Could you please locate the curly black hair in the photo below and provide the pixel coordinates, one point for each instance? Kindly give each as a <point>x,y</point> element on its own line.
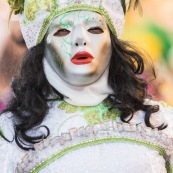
<point>32,90</point>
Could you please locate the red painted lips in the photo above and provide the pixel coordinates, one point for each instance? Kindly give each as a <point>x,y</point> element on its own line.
<point>81,58</point>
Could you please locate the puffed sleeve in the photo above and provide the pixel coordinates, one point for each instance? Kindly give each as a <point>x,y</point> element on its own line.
<point>7,157</point>
<point>8,150</point>
<point>164,116</point>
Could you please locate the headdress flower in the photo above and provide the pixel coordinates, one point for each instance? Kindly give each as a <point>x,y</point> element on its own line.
<point>17,6</point>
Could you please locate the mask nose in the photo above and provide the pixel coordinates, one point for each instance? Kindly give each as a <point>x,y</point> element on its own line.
<point>79,36</point>
<point>78,44</point>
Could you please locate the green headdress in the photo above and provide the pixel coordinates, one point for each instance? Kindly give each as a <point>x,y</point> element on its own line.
<point>36,15</point>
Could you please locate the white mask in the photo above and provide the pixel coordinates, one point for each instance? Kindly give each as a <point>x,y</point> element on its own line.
<point>78,47</point>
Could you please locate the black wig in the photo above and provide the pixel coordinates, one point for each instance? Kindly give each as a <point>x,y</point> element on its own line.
<point>32,90</point>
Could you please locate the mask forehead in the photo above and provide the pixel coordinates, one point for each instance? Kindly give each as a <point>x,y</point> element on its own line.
<point>71,19</point>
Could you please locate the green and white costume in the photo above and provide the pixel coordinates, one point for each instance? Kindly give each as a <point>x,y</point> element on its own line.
<point>88,138</point>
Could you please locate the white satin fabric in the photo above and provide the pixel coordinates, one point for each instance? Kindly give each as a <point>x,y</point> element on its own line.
<point>89,95</point>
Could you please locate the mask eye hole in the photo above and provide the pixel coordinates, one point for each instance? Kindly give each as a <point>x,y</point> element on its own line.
<point>62,33</point>
<point>95,30</point>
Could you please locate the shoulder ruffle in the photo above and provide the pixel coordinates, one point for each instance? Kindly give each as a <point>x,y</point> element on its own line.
<point>164,116</point>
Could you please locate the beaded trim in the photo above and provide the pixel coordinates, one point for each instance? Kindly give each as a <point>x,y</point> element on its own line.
<point>166,105</point>
<point>93,135</point>
<point>56,13</point>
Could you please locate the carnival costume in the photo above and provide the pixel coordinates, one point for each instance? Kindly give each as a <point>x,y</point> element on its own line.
<point>85,134</point>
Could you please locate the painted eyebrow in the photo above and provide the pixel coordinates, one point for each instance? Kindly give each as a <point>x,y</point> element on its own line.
<point>98,20</point>
<point>71,23</point>
<point>55,28</point>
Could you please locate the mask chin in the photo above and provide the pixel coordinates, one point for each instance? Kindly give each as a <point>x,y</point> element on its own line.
<point>79,78</point>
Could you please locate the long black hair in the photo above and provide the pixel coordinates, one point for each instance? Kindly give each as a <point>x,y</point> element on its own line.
<point>31,89</point>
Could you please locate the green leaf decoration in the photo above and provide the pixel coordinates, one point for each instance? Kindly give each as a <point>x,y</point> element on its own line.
<point>17,6</point>
<point>31,10</point>
<point>135,3</point>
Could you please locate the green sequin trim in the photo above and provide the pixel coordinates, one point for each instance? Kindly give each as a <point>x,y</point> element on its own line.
<point>92,114</point>
<point>17,6</point>
<point>57,155</point>
<point>55,12</point>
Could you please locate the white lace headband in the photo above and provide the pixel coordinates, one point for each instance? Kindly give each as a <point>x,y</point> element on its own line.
<point>36,15</point>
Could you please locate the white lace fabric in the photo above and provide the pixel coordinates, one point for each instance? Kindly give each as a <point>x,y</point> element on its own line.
<point>121,157</point>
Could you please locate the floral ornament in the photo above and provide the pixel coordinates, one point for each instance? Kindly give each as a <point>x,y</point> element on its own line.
<point>31,9</point>
<point>46,4</point>
<point>17,6</point>
<point>34,6</point>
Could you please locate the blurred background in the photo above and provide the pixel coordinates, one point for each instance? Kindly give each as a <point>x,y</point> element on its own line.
<point>12,49</point>
<point>151,31</point>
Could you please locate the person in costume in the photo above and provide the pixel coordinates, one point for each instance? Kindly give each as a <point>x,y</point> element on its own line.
<point>79,103</point>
